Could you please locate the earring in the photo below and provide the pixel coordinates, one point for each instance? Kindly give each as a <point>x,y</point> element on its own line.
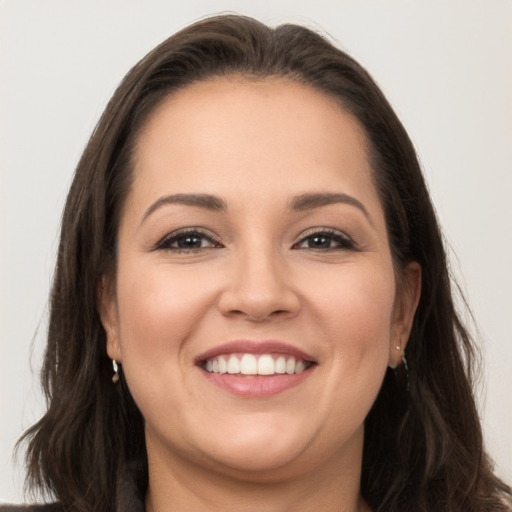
<point>115,377</point>
<point>402,370</point>
<point>404,361</point>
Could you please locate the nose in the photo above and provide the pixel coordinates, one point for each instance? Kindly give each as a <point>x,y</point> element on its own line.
<point>259,289</point>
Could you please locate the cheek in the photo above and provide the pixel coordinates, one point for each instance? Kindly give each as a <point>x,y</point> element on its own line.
<point>359,326</point>
<point>159,309</point>
<point>356,302</point>
<point>354,312</point>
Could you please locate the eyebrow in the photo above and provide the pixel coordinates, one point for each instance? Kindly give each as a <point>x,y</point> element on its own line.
<point>206,201</point>
<point>311,201</point>
<point>302,202</point>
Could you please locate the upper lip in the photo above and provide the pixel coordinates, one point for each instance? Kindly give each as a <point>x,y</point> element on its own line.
<point>253,347</point>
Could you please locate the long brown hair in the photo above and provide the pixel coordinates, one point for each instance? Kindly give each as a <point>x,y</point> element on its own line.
<point>423,444</point>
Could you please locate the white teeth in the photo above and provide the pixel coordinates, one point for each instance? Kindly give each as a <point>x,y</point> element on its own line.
<point>281,365</point>
<point>266,365</point>
<point>290,366</point>
<point>249,364</point>
<point>233,365</point>
<point>299,366</point>
<point>223,365</point>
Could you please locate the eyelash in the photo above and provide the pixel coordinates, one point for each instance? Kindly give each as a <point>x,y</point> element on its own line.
<point>343,241</point>
<point>172,238</point>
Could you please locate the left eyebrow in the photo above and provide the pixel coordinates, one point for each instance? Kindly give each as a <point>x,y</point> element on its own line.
<point>206,201</point>
<point>311,201</point>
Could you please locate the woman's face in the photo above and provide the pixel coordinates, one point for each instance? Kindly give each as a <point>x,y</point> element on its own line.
<point>254,308</point>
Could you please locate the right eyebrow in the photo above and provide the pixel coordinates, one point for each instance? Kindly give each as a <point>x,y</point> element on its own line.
<point>317,200</point>
<point>207,201</point>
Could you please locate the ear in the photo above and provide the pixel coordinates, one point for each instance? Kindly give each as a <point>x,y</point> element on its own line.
<point>406,303</point>
<point>109,318</point>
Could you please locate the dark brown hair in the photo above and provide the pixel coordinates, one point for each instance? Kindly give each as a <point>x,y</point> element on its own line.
<point>423,446</point>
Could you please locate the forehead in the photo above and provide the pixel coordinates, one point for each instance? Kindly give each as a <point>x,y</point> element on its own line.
<point>239,134</point>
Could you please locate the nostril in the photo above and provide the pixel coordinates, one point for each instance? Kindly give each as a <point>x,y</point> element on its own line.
<point>258,295</point>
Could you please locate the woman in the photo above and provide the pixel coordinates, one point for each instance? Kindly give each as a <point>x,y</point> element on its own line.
<point>251,308</point>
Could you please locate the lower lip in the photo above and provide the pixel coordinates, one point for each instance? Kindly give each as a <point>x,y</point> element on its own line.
<point>256,386</point>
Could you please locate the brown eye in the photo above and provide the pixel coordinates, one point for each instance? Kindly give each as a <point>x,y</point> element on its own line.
<point>326,240</point>
<point>187,241</point>
<point>319,242</point>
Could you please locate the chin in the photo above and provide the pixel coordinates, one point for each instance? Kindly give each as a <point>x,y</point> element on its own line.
<point>260,453</point>
<point>260,466</point>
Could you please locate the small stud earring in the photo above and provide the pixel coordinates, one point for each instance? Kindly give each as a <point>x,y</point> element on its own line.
<point>115,377</point>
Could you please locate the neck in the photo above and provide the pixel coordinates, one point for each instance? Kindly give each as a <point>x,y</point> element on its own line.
<point>185,486</point>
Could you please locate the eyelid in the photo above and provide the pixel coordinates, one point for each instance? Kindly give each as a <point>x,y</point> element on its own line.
<point>165,242</point>
<point>334,233</point>
<point>169,238</point>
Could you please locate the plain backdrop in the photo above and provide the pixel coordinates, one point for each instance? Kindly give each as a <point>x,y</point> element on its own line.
<point>445,66</point>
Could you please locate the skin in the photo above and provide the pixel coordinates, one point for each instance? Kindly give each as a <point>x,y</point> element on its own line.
<point>256,145</point>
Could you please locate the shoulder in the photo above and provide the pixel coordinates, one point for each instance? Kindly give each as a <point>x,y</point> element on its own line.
<point>51,507</point>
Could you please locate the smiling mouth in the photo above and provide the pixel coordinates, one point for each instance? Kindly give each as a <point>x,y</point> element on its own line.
<point>256,369</point>
<point>256,364</point>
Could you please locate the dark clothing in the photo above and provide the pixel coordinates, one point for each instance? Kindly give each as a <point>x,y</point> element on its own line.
<point>31,508</point>
<point>126,506</point>
<point>129,498</point>
<point>55,507</point>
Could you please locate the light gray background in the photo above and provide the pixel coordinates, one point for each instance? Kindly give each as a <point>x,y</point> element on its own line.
<point>445,66</point>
